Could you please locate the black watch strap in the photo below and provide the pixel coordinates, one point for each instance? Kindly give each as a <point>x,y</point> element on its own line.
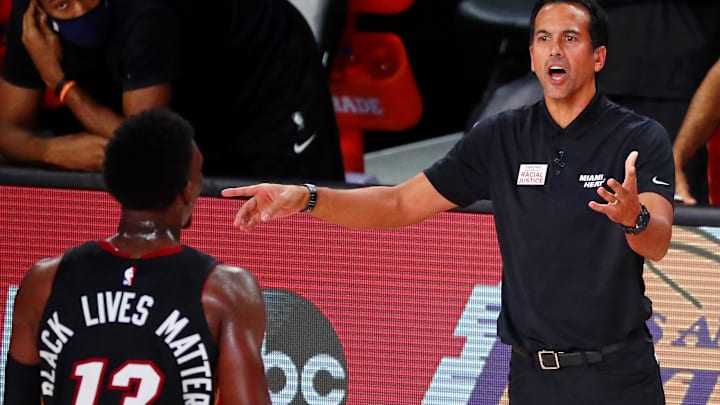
<point>641,224</point>
<point>313,197</point>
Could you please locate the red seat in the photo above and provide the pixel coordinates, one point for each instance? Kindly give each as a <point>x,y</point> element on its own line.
<point>5,6</point>
<point>372,83</point>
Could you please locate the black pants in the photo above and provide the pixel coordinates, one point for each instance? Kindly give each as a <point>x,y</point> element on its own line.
<point>629,376</point>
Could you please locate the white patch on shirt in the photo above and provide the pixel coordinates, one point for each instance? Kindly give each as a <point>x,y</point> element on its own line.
<point>532,174</point>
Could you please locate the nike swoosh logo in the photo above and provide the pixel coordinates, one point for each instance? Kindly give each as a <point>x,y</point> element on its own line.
<point>659,182</point>
<point>300,148</point>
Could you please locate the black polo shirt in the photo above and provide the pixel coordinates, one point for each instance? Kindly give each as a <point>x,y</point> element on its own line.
<point>570,280</point>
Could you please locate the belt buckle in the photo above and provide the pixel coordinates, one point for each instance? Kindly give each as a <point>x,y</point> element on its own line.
<point>553,355</point>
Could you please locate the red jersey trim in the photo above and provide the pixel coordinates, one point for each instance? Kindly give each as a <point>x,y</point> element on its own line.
<point>105,245</point>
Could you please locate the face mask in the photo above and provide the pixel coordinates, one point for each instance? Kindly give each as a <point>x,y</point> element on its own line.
<point>90,30</point>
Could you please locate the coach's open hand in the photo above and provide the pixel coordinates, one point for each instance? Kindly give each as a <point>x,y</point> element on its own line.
<point>266,202</point>
<point>623,205</point>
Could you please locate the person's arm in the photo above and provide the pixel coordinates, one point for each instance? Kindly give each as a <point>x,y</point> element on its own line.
<point>368,207</point>
<point>235,310</point>
<point>17,116</point>
<point>18,143</point>
<point>654,242</point>
<point>27,313</point>
<point>623,207</point>
<point>22,96</point>
<point>45,50</point>
<point>701,121</point>
<point>100,120</point>
<point>82,151</point>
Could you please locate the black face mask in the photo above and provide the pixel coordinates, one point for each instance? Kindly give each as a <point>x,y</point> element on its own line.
<point>90,30</point>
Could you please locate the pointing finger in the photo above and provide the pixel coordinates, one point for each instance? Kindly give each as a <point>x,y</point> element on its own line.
<point>247,191</point>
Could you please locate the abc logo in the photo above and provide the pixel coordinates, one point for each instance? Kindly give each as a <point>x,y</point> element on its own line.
<point>304,360</point>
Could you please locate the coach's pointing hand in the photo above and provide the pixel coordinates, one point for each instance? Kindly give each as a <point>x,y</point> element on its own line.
<point>267,202</point>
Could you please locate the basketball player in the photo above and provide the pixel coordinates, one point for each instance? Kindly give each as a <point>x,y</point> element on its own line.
<point>138,317</point>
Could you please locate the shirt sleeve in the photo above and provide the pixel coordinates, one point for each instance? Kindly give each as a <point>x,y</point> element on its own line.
<point>462,175</point>
<point>655,165</point>
<point>18,68</point>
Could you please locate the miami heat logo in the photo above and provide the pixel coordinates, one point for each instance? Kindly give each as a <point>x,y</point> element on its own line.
<point>129,276</point>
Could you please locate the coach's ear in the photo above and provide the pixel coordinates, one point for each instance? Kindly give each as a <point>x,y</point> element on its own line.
<point>600,54</point>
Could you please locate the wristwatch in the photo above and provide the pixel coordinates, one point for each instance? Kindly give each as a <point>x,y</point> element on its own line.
<point>313,197</point>
<point>642,222</point>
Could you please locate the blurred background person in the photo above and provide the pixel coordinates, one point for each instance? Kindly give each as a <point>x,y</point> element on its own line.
<point>247,74</point>
<point>701,123</point>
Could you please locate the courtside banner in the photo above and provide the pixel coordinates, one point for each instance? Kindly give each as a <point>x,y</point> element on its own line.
<point>403,316</point>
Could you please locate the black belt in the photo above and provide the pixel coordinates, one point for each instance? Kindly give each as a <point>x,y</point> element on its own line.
<point>554,360</point>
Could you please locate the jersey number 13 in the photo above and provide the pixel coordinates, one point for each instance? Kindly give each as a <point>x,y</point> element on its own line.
<point>141,379</point>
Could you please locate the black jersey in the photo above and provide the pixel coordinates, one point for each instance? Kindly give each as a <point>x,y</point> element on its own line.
<point>116,328</point>
<point>570,279</point>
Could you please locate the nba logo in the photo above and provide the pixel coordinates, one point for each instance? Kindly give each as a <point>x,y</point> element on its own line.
<point>128,276</point>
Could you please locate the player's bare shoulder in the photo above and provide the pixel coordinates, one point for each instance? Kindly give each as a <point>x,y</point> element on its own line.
<point>29,304</point>
<point>45,267</point>
<point>233,288</point>
<point>37,281</point>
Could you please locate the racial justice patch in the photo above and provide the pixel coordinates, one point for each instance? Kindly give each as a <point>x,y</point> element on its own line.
<point>532,174</point>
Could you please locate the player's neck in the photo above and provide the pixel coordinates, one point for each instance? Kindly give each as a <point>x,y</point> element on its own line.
<point>146,232</point>
<point>140,234</point>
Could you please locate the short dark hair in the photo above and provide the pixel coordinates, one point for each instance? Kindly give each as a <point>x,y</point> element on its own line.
<point>148,159</point>
<point>598,26</point>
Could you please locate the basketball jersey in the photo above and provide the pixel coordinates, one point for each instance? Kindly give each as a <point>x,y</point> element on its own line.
<point>121,330</point>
